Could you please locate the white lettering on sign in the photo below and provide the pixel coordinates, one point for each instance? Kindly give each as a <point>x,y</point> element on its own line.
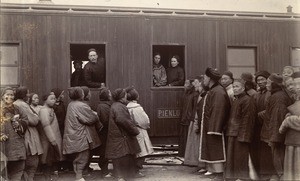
<point>168,113</point>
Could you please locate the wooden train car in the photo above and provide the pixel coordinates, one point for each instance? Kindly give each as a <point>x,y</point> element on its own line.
<point>39,43</point>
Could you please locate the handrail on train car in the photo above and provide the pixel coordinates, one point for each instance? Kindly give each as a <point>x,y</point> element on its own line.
<point>52,8</point>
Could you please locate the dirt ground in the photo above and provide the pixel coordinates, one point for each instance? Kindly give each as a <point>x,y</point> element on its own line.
<point>151,172</point>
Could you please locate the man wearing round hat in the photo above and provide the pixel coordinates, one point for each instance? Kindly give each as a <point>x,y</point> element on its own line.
<point>275,113</point>
<point>216,112</point>
<point>260,152</point>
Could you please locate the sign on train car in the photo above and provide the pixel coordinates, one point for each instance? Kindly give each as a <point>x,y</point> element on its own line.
<point>168,113</point>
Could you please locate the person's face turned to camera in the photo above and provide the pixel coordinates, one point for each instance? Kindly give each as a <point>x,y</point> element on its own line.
<point>93,57</point>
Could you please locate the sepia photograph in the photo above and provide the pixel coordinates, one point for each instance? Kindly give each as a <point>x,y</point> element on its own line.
<point>150,90</point>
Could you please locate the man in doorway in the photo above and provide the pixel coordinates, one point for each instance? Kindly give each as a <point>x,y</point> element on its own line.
<point>94,70</point>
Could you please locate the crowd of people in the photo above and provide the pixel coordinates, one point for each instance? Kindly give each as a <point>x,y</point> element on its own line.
<point>52,138</point>
<point>243,128</point>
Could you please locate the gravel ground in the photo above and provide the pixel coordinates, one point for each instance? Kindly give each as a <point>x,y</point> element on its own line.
<point>151,172</point>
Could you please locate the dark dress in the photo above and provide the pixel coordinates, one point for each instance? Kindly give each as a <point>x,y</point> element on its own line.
<point>60,112</point>
<point>94,73</point>
<point>122,145</point>
<point>239,132</point>
<point>214,119</point>
<point>103,111</point>
<point>188,114</point>
<point>276,111</point>
<point>175,76</point>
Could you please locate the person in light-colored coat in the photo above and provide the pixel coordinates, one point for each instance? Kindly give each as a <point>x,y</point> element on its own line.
<point>32,139</point>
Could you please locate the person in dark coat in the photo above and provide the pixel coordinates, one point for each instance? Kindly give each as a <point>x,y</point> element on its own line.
<point>216,112</point>
<point>175,74</point>
<point>78,139</point>
<point>187,108</point>
<point>94,70</point>
<point>32,138</point>
<point>250,86</point>
<point>226,81</point>
<point>239,132</point>
<point>103,111</point>
<point>13,127</point>
<point>77,77</point>
<point>273,117</point>
<point>122,144</point>
<point>260,152</point>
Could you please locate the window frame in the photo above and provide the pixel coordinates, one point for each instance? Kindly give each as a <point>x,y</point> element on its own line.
<point>185,65</point>
<point>69,43</point>
<point>290,54</point>
<point>247,46</point>
<point>19,63</point>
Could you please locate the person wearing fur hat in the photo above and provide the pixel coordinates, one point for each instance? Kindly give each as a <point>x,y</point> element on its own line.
<point>275,113</point>
<point>122,144</point>
<point>216,111</point>
<point>260,152</point>
<point>226,82</point>
<point>250,86</point>
<point>291,128</point>
<point>77,77</point>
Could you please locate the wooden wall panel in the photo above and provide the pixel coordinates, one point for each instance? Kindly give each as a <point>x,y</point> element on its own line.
<point>45,43</point>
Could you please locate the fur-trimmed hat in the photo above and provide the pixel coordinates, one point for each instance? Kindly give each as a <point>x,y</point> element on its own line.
<point>276,78</point>
<point>262,73</point>
<point>213,74</point>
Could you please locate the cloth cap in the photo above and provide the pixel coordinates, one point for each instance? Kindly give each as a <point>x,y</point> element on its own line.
<point>213,74</point>
<point>229,74</point>
<point>118,94</point>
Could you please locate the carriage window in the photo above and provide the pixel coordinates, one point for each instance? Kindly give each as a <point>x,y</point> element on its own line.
<point>168,65</point>
<point>87,65</point>
<point>295,57</point>
<point>241,59</point>
<point>9,64</point>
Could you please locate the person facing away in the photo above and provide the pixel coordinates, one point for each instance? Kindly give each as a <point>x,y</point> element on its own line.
<point>13,127</point>
<point>159,72</point>
<point>77,140</point>
<point>122,145</point>
<point>32,137</point>
<point>239,132</point>
<point>77,77</point>
<point>274,115</point>
<point>175,74</point>
<point>103,112</point>
<point>250,86</point>
<point>140,117</point>
<point>94,70</point>
<point>59,108</point>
